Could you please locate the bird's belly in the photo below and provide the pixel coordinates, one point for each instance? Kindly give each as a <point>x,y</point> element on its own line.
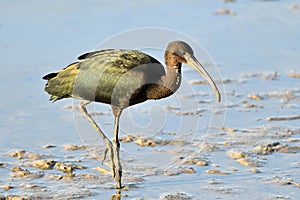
<point>120,95</point>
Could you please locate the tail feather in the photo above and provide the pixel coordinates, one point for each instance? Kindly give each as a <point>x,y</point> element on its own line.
<point>50,76</point>
<point>60,84</point>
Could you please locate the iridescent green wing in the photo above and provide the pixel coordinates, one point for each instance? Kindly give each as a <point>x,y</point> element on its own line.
<point>116,76</point>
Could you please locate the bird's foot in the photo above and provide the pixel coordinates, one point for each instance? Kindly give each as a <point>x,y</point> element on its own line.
<point>112,163</point>
<point>105,154</point>
<point>109,149</point>
<point>118,167</point>
<point>115,165</point>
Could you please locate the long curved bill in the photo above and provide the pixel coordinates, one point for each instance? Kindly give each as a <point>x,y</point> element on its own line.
<point>193,62</point>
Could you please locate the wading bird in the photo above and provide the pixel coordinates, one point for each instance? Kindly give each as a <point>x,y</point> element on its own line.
<point>122,78</point>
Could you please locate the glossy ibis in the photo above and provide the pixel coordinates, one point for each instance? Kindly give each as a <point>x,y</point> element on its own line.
<point>122,78</point>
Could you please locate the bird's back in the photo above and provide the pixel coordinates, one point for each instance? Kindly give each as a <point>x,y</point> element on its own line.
<point>116,77</point>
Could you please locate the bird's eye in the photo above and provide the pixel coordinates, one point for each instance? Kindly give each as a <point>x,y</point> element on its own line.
<point>178,53</point>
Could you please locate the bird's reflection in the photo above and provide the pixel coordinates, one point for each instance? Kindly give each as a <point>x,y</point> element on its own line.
<point>116,196</point>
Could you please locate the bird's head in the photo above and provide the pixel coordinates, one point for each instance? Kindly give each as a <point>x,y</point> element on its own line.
<point>178,52</point>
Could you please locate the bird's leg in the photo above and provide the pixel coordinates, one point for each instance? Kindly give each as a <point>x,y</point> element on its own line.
<point>116,147</point>
<point>108,143</point>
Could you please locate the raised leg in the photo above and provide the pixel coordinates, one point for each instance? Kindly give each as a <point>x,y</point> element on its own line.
<point>116,147</point>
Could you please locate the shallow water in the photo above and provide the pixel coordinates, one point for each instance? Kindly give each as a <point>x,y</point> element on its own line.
<point>254,50</point>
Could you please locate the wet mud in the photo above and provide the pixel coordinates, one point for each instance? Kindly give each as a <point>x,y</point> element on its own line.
<point>247,147</point>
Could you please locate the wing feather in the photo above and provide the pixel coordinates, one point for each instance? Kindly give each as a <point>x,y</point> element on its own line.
<point>108,76</point>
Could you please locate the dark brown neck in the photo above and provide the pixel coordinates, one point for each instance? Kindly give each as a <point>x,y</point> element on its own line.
<point>167,85</point>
